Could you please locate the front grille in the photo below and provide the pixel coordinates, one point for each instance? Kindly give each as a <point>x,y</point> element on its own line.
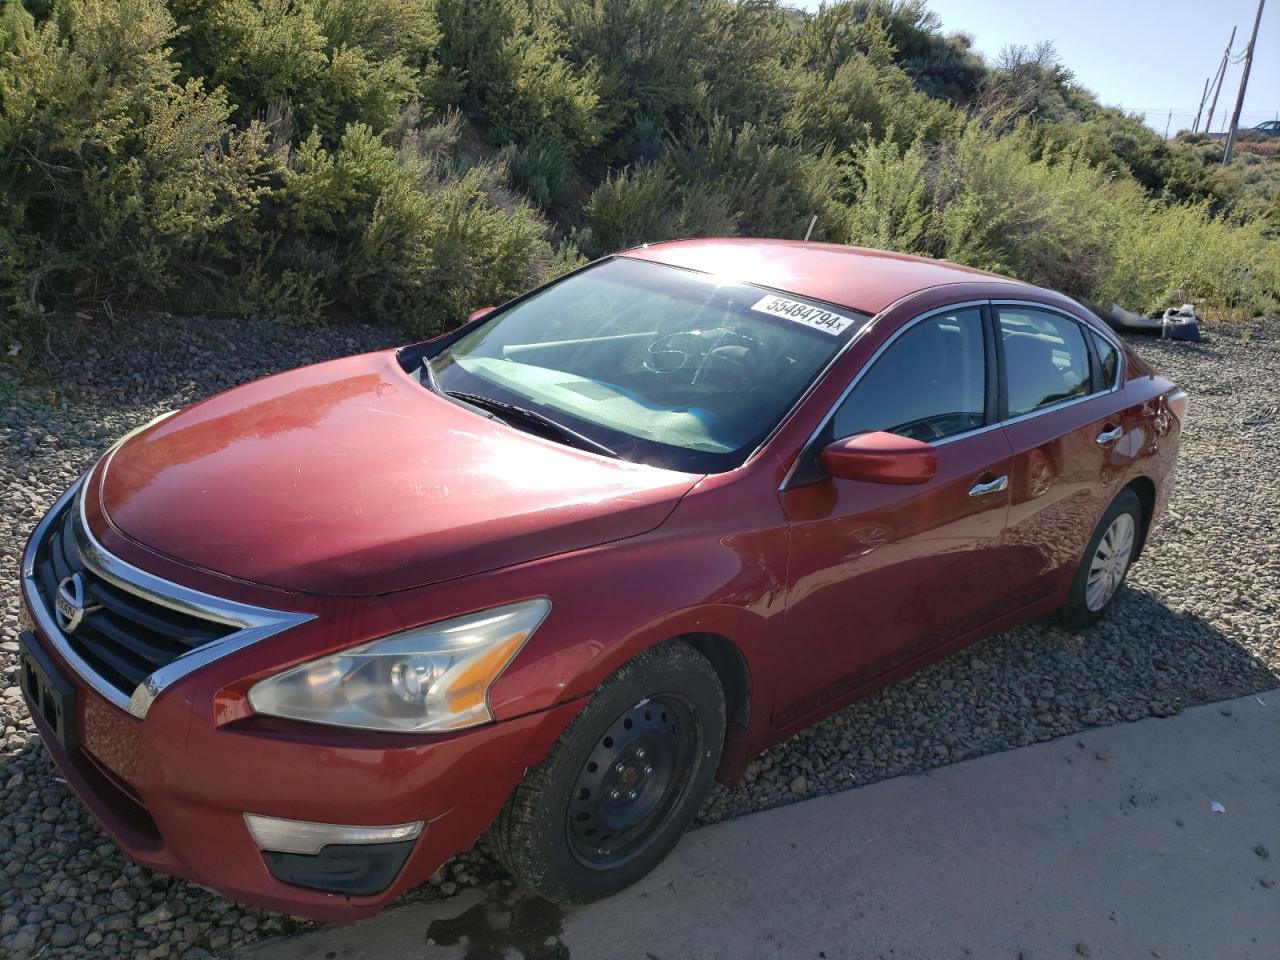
<point>124,636</point>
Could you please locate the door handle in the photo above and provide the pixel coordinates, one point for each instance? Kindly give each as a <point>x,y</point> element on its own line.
<point>1110,436</point>
<point>991,486</point>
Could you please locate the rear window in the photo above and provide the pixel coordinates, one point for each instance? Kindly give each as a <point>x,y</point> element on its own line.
<point>1046,359</point>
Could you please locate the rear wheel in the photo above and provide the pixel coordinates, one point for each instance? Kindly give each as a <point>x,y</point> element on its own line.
<point>618,789</point>
<point>1106,561</point>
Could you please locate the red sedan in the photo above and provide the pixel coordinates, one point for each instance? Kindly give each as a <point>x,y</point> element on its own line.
<point>549,574</point>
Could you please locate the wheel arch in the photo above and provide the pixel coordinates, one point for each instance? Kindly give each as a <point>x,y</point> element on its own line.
<point>1145,488</point>
<point>729,654</point>
<point>733,670</point>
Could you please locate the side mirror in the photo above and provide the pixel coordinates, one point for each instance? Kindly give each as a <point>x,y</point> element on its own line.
<point>880,458</point>
<point>477,314</point>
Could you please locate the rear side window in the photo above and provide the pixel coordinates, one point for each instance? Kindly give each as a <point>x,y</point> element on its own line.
<point>1108,360</point>
<point>929,384</point>
<point>1046,359</point>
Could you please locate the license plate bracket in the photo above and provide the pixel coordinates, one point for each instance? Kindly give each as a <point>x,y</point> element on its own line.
<point>48,691</point>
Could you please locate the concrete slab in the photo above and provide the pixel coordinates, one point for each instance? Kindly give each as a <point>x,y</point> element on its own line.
<point>1104,845</point>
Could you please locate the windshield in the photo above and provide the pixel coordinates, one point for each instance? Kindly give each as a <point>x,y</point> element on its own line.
<point>657,364</point>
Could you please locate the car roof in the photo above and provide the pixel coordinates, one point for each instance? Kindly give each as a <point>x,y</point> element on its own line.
<point>855,277</point>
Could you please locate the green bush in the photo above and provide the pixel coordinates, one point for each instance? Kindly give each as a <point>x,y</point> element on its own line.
<point>904,32</point>
<point>647,204</point>
<point>998,203</point>
<point>860,102</point>
<point>1181,252</point>
<point>1040,220</point>
<point>121,182</point>
<point>509,73</point>
<point>671,65</point>
<point>128,184</point>
<point>889,211</point>
<point>404,234</point>
<point>770,188</point>
<point>409,160</point>
<point>330,62</point>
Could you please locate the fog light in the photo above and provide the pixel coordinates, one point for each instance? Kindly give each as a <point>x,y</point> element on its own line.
<point>355,861</point>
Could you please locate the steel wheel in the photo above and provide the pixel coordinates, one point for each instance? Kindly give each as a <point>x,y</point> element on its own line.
<point>632,781</point>
<point>623,781</point>
<point>1110,561</point>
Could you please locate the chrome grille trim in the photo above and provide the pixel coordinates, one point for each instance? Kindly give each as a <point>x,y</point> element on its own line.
<point>252,623</point>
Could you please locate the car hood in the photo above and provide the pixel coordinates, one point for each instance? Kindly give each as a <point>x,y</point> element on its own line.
<point>351,478</point>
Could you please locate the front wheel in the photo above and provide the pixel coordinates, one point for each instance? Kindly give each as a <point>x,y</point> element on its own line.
<point>618,789</point>
<point>1106,561</point>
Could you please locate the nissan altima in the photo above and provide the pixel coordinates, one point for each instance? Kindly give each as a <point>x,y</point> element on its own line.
<point>543,578</point>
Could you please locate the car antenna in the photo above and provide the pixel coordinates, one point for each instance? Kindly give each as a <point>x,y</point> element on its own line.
<point>809,233</point>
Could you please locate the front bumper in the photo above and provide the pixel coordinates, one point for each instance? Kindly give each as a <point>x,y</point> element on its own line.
<point>172,789</point>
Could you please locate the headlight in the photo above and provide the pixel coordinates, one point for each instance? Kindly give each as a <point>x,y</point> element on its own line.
<point>435,677</point>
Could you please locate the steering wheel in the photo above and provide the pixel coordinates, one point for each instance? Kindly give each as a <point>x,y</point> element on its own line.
<point>928,424</point>
<point>673,359</point>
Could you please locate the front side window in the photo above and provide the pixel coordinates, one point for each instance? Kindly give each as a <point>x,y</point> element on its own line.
<point>930,383</point>
<point>656,364</point>
<point>1046,359</point>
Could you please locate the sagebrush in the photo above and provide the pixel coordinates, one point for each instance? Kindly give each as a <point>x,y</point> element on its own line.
<point>409,160</point>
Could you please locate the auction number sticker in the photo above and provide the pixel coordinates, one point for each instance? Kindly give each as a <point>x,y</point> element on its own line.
<point>811,316</point>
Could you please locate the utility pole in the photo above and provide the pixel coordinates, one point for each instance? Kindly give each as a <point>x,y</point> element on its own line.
<point>1195,127</point>
<point>1222,72</point>
<point>1244,82</point>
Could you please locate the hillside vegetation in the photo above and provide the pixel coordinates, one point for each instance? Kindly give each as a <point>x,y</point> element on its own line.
<point>409,160</point>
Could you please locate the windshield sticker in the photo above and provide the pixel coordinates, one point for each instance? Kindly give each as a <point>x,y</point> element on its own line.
<point>811,316</point>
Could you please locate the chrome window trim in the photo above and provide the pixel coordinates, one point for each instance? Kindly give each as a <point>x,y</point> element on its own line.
<point>995,304</point>
<point>1060,405</point>
<point>255,623</point>
<point>986,428</point>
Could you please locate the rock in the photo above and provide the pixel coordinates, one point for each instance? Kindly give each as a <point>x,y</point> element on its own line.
<point>63,935</point>
<point>24,939</point>
<point>799,785</point>
<point>161,914</point>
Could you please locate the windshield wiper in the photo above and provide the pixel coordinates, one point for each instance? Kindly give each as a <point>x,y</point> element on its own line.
<point>512,411</point>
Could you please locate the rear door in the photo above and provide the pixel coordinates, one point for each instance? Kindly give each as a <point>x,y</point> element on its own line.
<point>880,574</point>
<point>1070,434</point>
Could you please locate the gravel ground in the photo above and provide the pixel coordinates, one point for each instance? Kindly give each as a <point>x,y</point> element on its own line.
<point>1199,622</point>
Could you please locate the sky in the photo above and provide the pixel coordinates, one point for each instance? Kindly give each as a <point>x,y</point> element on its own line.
<point>1148,56</point>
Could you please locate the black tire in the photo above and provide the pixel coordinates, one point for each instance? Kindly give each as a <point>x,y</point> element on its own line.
<point>566,832</point>
<point>1079,611</point>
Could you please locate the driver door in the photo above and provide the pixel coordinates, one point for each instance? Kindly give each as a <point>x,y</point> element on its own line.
<point>882,574</point>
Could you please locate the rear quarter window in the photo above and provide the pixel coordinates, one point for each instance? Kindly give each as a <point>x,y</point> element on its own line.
<point>1108,360</point>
